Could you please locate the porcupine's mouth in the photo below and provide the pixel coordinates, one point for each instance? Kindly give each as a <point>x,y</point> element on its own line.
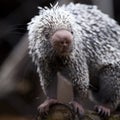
<point>64,51</point>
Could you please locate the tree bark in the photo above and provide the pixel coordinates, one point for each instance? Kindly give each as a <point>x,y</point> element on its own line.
<point>65,112</point>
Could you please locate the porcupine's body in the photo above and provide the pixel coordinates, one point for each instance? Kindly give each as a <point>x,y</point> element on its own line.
<point>95,56</point>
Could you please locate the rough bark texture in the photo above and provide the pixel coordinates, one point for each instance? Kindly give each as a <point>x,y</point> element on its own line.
<point>64,112</point>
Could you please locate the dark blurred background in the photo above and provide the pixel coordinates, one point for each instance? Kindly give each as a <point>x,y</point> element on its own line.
<point>20,93</point>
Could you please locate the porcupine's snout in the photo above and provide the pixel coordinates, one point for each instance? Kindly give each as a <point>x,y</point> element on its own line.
<point>62,42</point>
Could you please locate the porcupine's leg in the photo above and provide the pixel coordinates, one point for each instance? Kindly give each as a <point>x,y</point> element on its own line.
<point>75,103</point>
<point>80,82</point>
<point>51,93</point>
<point>109,89</point>
<point>77,106</point>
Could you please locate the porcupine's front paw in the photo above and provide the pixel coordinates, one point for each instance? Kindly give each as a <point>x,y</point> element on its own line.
<point>43,109</point>
<point>77,108</point>
<point>102,110</point>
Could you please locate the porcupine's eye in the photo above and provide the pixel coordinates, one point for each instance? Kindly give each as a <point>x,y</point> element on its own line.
<point>72,32</point>
<point>47,35</point>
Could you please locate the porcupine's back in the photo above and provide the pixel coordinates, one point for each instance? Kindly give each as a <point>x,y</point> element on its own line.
<point>100,34</point>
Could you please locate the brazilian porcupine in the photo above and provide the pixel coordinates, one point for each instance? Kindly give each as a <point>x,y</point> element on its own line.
<point>83,44</point>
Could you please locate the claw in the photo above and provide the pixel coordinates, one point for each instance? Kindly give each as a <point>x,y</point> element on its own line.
<point>99,110</point>
<point>43,109</point>
<point>77,108</point>
<point>102,110</point>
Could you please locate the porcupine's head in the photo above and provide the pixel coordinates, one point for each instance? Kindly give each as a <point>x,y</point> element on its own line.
<point>53,27</point>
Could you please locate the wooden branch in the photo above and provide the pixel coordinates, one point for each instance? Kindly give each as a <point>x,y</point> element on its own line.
<point>65,112</point>
<point>58,112</point>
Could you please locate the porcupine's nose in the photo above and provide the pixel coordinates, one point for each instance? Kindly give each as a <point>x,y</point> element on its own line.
<point>63,37</point>
<point>62,41</point>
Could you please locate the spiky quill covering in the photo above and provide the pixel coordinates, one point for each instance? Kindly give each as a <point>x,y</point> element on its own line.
<point>96,45</point>
<point>41,28</point>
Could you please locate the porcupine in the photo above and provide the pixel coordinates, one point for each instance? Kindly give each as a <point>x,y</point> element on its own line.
<point>83,44</point>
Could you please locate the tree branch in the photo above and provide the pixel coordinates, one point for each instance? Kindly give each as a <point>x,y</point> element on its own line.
<point>65,112</point>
